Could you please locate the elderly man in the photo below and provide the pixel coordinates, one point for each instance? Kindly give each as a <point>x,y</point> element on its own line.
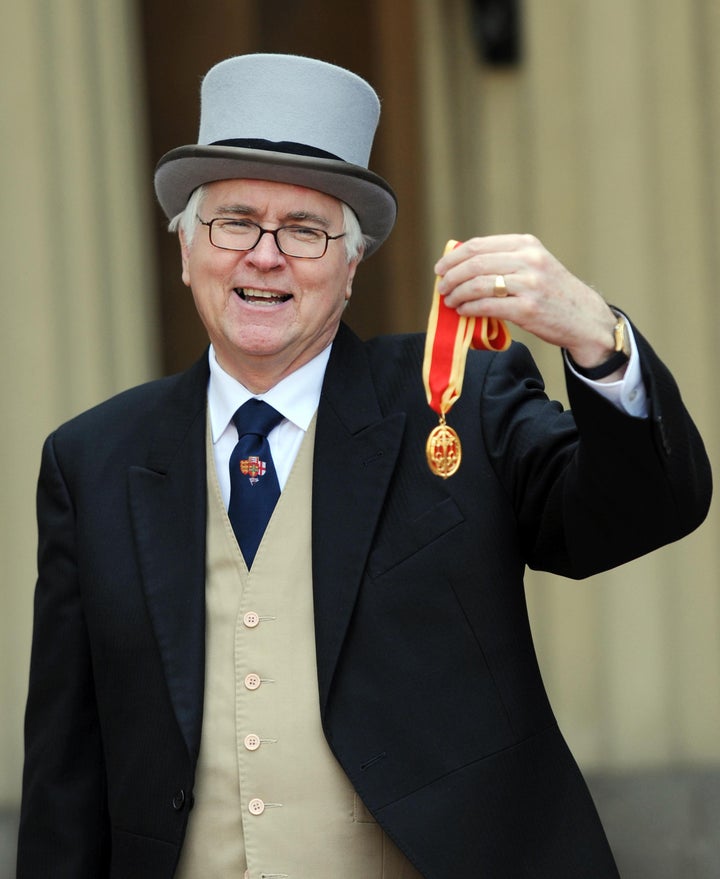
<point>269,640</point>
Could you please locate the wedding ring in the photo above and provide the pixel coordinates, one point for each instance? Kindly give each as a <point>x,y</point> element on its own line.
<point>500,289</point>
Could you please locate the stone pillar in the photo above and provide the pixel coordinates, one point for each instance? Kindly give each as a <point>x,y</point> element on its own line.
<point>76,274</point>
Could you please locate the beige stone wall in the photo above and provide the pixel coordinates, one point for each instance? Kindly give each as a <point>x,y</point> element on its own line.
<point>76,278</point>
<point>605,143</point>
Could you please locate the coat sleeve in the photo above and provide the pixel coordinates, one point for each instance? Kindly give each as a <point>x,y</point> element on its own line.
<point>64,823</point>
<point>593,487</point>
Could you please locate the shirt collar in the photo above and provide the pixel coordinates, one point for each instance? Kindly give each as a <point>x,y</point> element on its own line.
<point>296,397</point>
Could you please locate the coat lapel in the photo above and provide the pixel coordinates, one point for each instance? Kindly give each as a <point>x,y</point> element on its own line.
<point>168,509</point>
<point>356,449</point>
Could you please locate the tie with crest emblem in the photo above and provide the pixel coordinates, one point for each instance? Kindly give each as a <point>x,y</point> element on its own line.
<point>254,487</point>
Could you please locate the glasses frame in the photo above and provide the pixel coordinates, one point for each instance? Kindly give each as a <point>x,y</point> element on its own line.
<point>262,231</point>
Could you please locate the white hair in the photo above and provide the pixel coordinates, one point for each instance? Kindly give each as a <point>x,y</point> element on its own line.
<point>187,220</point>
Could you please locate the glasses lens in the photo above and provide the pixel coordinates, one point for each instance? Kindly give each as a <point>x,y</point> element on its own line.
<point>301,241</point>
<point>234,234</point>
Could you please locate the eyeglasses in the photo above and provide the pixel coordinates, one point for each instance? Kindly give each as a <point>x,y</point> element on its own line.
<point>300,242</point>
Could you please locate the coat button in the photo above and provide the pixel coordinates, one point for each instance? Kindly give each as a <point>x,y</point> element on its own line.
<point>252,681</point>
<point>178,800</point>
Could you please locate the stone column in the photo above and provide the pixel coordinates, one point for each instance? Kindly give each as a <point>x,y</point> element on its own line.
<point>76,274</point>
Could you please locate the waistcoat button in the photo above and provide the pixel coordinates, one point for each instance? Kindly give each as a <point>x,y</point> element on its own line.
<point>178,800</point>
<point>252,742</point>
<point>251,619</point>
<point>256,806</point>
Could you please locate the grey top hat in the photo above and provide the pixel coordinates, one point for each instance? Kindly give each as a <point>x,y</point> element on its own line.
<point>289,119</point>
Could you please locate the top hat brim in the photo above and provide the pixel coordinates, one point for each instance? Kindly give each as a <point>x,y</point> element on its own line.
<point>182,170</point>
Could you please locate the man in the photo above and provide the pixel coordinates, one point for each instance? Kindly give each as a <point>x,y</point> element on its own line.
<point>352,689</point>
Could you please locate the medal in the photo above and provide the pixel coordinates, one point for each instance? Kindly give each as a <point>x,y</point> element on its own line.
<point>443,450</point>
<point>449,336</point>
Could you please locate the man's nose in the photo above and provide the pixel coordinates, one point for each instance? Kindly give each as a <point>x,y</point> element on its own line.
<point>266,252</point>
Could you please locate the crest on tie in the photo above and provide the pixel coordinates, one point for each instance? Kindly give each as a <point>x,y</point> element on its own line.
<point>253,467</point>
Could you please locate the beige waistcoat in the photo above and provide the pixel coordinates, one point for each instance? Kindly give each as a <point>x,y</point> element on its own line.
<point>271,801</point>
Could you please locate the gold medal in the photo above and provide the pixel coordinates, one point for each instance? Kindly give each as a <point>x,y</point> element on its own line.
<point>448,339</point>
<point>443,450</point>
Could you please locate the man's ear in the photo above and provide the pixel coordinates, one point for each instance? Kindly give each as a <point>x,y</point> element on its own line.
<point>351,277</point>
<point>185,257</point>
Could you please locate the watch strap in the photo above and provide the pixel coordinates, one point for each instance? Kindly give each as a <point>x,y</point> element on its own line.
<point>617,359</point>
<point>603,370</point>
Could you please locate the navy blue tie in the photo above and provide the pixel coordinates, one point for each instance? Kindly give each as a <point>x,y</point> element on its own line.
<point>254,486</point>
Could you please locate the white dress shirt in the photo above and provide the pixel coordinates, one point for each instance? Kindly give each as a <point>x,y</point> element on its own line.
<point>296,398</point>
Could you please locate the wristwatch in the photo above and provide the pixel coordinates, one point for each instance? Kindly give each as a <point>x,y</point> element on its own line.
<point>619,357</point>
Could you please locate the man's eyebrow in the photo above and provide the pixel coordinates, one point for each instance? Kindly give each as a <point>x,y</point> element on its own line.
<point>308,216</point>
<point>245,210</point>
<point>299,216</point>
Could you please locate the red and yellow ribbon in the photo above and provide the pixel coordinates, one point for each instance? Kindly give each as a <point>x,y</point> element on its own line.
<point>449,336</point>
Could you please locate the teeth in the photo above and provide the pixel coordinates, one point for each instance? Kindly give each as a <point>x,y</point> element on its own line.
<point>250,294</point>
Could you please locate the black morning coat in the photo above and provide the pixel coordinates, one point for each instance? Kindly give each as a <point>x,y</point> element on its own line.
<point>430,692</point>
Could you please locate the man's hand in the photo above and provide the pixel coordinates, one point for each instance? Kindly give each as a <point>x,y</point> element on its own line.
<point>543,297</point>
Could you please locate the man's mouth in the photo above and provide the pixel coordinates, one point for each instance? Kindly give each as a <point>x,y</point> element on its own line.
<point>261,297</point>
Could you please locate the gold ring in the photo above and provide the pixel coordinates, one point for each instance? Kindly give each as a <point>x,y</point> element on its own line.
<point>500,289</point>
